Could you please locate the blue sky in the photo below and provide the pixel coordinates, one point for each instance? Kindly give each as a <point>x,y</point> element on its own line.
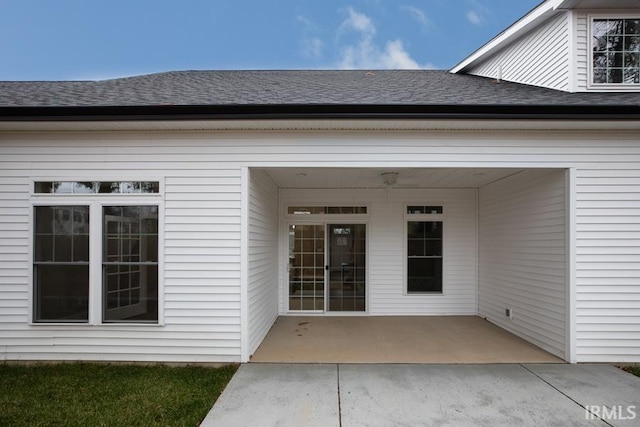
<point>98,39</point>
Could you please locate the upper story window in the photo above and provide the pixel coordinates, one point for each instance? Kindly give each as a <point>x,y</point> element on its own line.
<point>616,51</point>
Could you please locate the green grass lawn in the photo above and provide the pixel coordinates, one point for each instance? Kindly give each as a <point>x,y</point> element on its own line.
<point>635,370</point>
<point>108,395</point>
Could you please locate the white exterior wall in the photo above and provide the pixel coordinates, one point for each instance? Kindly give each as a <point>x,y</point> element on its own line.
<point>263,257</point>
<point>199,284</point>
<point>202,173</point>
<point>386,293</point>
<point>522,257</point>
<point>539,58</point>
<point>608,263</point>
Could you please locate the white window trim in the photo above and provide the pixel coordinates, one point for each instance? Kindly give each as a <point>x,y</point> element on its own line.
<point>96,202</point>
<point>405,251</point>
<point>606,87</point>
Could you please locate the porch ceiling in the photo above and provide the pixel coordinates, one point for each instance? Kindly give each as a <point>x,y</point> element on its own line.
<point>333,178</point>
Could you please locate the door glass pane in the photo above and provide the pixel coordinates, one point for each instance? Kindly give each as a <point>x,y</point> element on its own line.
<point>306,267</point>
<point>347,268</point>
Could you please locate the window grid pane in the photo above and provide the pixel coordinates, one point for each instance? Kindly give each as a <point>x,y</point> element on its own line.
<point>130,264</point>
<point>616,51</point>
<point>424,256</point>
<point>61,264</point>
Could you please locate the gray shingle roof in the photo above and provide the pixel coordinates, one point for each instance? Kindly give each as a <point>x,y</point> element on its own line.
<point>333,87</point>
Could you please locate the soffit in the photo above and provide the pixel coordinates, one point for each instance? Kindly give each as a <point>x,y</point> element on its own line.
<point>371,178</point>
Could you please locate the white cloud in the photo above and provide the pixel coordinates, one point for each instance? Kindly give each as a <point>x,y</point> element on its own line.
<point>311,46</point>
<point>305,21</point>
<point>477,12</point>
<point>419,16</point>
<point>474,17</point>
<point>395,56</point>
<point>357,22</point>
<point>364,53</point>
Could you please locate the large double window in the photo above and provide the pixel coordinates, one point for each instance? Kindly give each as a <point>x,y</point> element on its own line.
<point>615,51</point>
<point>95,262</point>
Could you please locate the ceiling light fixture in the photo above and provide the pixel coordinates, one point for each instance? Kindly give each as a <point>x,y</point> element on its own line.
<point>389,178</point>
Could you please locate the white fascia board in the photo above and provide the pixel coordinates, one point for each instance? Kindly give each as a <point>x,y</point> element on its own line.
<point>515,31</point>
<point>8,128</point>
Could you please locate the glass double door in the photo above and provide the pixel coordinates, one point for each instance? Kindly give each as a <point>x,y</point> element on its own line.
<point>327,267</point>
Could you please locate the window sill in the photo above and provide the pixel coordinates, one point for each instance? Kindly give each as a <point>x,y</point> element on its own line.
<point>94,325</point>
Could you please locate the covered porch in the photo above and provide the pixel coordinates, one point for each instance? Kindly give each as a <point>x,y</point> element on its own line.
<point>394,339</point>
<point>498,259</point>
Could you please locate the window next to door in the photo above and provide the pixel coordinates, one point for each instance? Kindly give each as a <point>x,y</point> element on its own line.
<point>424,249</point>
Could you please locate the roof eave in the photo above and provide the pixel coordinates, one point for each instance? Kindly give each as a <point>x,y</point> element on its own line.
<point>322,112</point>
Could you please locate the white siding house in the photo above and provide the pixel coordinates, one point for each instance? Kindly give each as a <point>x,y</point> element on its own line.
<point>187,229</point>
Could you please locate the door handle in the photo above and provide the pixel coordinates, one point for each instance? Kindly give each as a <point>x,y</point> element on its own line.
<point>326,267</point>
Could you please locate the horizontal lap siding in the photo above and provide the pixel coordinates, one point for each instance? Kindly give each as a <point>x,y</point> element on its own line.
<point>386,285</point>
<point>522,257</point>
<point>387,277</point>
<point>14,255</point>
<point>608,257</point>
<point>206,228</point>
<point>201,271</point>
<point>263,257</point>
<point>539,58</point>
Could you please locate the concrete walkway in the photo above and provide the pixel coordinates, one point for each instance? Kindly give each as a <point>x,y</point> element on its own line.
<point>428,395</point>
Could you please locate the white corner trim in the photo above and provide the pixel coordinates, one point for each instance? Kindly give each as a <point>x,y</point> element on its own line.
<point>244,267</point>
<point>573,51</point>
<point>571,241</point>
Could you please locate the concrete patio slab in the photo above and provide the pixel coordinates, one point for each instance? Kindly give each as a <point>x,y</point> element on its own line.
<point>597,387</point>
<point>278,395</point>
<point>350,395</point>
<point>394,339</point>
<point>456,396</point>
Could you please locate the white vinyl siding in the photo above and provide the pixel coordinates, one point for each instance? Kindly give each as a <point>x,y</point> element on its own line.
<point>263,257</point>
<point>15,260</point>
<point>202,177</point>
<point>539,58</point>
<point>522,257</point>
<point>608,259</point>
<point>386,291</point>
<point>200,258</point>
